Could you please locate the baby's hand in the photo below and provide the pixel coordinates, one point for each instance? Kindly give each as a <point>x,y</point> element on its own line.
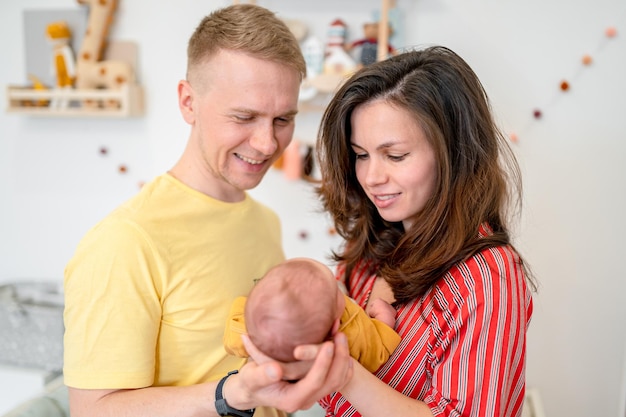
<point>381,310</point>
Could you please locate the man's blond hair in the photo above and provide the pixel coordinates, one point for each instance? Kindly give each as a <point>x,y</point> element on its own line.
<point>245,28</point>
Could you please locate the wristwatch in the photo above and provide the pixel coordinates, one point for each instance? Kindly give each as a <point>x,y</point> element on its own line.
<point>222,407</point>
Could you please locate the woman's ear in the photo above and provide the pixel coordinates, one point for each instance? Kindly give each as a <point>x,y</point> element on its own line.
<point>186,101</point>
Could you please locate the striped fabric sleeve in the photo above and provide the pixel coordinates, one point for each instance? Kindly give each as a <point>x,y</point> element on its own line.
<point>478,359</point>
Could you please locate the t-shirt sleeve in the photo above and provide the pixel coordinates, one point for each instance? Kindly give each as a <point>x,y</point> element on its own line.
<point>112,309</point>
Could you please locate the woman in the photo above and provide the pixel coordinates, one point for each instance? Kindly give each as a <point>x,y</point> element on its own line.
<point>419,181</point>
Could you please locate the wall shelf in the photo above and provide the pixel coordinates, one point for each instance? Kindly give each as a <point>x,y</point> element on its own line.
<point>124,102</point>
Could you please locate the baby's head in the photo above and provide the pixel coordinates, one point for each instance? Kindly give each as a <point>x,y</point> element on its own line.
<point>297,302</point>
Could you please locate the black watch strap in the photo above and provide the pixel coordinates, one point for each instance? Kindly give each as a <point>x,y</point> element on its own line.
<point>222,407</point>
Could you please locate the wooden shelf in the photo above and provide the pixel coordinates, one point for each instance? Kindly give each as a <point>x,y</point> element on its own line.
<point>125,102</point>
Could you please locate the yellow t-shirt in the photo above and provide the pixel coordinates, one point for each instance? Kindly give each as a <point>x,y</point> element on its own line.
<point>149,288</point>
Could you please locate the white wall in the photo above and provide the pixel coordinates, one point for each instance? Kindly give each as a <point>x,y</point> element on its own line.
<point>54,184</point>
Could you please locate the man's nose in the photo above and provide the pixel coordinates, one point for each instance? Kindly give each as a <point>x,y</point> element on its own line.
<point>264,140</point>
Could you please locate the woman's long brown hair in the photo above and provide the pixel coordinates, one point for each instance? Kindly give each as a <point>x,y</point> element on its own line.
<point>478,179</point>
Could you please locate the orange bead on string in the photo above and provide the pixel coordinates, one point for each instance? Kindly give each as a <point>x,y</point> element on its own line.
<point>610,32</point>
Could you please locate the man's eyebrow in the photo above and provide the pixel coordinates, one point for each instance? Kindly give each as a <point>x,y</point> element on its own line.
<point>251,112</point>
<point>291,113</point>
<point>245,110</point>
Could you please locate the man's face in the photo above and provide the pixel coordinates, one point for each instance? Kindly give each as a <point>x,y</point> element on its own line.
<point>242,112</point>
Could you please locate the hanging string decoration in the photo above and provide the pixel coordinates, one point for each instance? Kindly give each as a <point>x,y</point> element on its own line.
<point>565,84</point>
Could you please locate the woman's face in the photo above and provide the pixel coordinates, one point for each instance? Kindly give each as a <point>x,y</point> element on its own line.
<point>395,163</point>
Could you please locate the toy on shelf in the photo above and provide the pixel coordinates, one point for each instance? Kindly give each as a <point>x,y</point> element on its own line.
<point>38,85</point>
<point>337,60</point>
<point>336,35</point>
<point>369,44</point>
<point>91,70</point>
<point>337,64</point>
<point>63,62</point>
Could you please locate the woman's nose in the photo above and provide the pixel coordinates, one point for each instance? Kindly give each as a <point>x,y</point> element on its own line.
<point>375,173</point>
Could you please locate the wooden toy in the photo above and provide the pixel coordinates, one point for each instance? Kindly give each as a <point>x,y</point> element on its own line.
<point>91,70</point>
<point>63,62</point>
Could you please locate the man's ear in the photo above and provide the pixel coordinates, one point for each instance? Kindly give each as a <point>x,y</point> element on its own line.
<point>335,327</point>
<point>186,101</point>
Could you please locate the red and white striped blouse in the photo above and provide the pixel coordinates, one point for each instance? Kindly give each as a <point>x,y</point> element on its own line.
<point>463,343</point>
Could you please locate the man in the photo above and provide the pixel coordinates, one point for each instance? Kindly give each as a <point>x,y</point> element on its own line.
<point>149,288</point>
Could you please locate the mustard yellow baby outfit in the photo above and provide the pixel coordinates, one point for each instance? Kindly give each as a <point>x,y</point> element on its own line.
<point>371,341</point>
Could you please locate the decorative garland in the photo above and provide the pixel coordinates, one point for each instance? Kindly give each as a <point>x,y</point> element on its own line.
<point>565,85</point>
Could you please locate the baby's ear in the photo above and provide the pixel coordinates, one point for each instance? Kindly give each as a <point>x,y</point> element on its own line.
<point>335,327</point>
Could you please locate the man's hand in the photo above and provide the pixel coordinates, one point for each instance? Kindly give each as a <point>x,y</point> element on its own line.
<point>263,381</point>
